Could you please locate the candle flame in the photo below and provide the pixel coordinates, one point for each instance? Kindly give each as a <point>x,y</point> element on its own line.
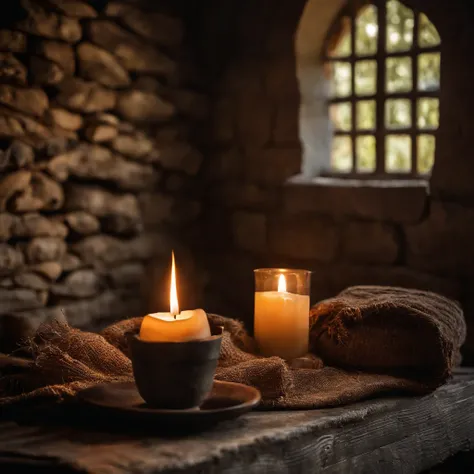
<point>174,306</point>
<point>281,284</point>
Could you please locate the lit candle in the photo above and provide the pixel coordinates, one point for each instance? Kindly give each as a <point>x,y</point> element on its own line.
<point>282,322</point>
<point>175,326</point>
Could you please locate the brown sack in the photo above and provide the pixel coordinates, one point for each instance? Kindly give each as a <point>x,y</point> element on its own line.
<point>389,330</point>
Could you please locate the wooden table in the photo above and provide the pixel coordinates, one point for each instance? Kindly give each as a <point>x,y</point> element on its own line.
<point>391,435</point>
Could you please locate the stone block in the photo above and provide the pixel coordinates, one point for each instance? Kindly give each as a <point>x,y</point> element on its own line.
<point>126,275</point>
<point>58,52</point>
<point>100,132</point>
<point>442,243</point>
<point>139,106</point>
<point>163,29</point>
<point>249,231</point>
<point>272,166</point>
<point>132,53</point>
<point>286,126</point>
<point>71,262</point>
<point>11,185</point>
<point>6,225</point>
<point>49,25</point>
<point>304,237</point>
<point>85,97</point>
<point>45,249</point>
<point>370,242</point>
<point>18,155</point>
<point>237,194</point>
<point>36,225</point>
<point>74,8</point>
<point>29,101</point>
<point>99,65</point>
<point>224,165</point>
<point>64,119</point>
<point>82,222</point>
<point>49,270</point>
<point>44,72</point>
<point>79,284</point>
<point>11,259</point>
<point>137,146</point>
<point>12,70</point>
<point>12,41</point>
<point>43,193</point>
<point>395,201</point>
<point>31,280</point>
<point>14,124</point>
<point>19,299</point>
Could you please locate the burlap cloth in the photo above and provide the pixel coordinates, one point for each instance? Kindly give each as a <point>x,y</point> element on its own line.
<point>364,342</point>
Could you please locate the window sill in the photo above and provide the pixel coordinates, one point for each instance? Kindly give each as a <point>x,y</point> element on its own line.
<point>398,200</point>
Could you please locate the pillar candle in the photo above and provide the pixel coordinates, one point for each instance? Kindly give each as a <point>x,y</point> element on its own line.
<point>282,322</point>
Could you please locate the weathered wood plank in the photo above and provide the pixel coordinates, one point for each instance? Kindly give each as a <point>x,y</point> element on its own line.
<point>393,435</point>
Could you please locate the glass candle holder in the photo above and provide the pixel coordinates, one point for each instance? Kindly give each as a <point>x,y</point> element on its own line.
<point>281,318</point>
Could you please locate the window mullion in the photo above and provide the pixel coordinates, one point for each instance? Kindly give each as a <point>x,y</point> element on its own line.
<point>380,102</point>
<point>414,102</point>
<point>353,94</point>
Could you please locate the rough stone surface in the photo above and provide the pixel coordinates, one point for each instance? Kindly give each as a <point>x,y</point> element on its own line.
<point>36,225</point>
<point>45,249</point>
<point>11,185</point>
<point>70,262</point>
<point>370,242</point>
<point>28,101</point>
<point>99,132</point>
<point>49,270</point>
<point>442,243</point>
<point>12,70</point>
<point>250,231</point>
<point>44,72</point>
<point>126,275</point>
<point>87,97</point>
<point>162,29</point>
<point>82,223</point>
<point>10,259</point>
<point>99,65</point>
<point>134,54</point>
<point>49,25</point>
<point>21,299</point>
<point>388,201</point>
<point>57,52</point>
<point>79,284</point>
<point>139,106</point>
<point>300,237</point>
<point>12,41</point>
<point>13,124</point>
<point>64,119</point>
<point>6,225</point>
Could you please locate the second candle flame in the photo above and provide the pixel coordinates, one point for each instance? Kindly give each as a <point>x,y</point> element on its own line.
<point>174,306</point>
<point>281,284</point>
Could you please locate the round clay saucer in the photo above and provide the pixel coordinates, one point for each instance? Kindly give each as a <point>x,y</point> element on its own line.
<point>121,402</point>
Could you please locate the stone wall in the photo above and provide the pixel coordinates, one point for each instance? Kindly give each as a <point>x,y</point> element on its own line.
<point>97,158</point>
<point>412,234</point>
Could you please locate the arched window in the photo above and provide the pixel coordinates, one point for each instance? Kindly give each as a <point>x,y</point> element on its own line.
<point>384,65</point>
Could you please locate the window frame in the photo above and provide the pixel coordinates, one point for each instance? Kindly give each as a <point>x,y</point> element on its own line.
<point>350,11</point>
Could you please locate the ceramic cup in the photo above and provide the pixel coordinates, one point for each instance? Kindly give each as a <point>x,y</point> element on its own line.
<point>175,375</point>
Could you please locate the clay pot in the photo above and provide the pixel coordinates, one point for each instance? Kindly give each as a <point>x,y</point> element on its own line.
<point>175,375</point>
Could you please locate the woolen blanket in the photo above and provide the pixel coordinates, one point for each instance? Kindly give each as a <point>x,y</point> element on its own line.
<point>364,342</point>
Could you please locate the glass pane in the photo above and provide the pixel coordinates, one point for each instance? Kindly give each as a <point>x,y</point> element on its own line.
<point>400,23</point>
<point>365,115</point>
<point>428,71</point>
<point>341,157</point>
<point>426,151</point>
<point>399,78</point>
<point>341,79</point>
<point>365,77</point>
<point>398,113</point>
<point>397,153</point>
<point>365,154</point>
<point>428,113</point>
<point>341,46</point>
<point>428,34</point>
<point>341,116</point>
<point>366,31</point>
